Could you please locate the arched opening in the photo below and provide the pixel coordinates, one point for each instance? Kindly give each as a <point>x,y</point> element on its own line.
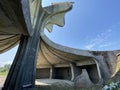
<point>43,73</point>
<point>63,73</point>
<point>92,73</point>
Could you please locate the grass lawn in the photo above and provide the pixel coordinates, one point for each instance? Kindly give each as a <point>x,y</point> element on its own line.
<point>3,73</point>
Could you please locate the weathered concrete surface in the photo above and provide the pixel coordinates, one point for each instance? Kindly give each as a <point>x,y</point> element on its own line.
<point>100,65</point>
<point>12,24</point>
<point>116,78</point>
<point>83,80</point>
<point>16,22</point>
<point>45,83</point>
<point>55,84</point>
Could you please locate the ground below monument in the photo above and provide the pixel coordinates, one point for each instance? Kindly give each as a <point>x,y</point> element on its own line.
<point>2,80</point>
<point>55,84</point>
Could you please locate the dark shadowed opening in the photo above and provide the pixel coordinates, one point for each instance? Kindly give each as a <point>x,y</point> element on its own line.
<point>92,72</point>
<point>43,73</point>
<point>63,73</point>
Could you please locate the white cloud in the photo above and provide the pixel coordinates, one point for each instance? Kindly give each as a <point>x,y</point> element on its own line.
<point>2,63</point>
<point>106,44</point>
<point>100,41</point>
<point>89,46</point>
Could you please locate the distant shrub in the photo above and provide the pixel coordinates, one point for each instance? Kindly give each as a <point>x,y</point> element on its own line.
<point>5,68</point>
<point>112,86</point>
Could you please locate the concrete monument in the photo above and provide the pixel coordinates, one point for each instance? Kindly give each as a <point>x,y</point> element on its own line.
<point>23,22</point>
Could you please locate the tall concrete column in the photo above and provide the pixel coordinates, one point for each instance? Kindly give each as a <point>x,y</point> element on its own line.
<point>52,72</point>
<point>75,70</point>
<point>23,70</point>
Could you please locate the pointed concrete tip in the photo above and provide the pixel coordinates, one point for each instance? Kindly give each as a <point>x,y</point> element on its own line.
<point>72,2</point>
<point>54,3</point>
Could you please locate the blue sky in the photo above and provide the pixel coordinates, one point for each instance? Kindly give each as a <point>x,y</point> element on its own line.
<point>7,57</point>
<point>90,25</point>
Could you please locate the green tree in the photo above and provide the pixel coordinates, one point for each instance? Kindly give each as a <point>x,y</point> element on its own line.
<point>5,68</point>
